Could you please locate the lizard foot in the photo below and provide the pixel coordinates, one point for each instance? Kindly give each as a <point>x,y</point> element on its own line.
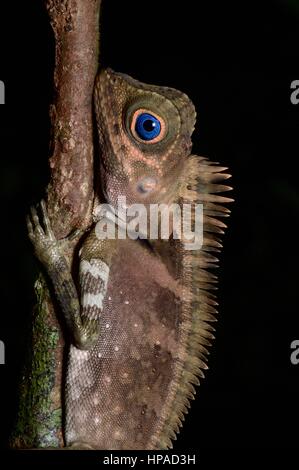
<point>47,247</point>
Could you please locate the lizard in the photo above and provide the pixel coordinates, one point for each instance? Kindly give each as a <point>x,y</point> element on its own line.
<point>139,318</point>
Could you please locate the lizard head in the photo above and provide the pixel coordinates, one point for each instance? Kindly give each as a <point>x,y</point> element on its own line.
<point>145,137</point>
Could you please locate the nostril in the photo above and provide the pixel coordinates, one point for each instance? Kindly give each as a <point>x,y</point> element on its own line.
<point>146,185</point>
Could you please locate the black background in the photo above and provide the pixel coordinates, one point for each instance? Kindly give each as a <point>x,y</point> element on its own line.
<point>236,61</point>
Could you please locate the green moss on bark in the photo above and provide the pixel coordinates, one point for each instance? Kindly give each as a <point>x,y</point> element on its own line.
<point>39,420</point>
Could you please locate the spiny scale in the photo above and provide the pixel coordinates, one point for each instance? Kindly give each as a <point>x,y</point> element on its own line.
<point>201,280</point>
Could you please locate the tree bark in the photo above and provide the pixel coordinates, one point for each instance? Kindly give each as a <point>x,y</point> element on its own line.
<point>69,200</point>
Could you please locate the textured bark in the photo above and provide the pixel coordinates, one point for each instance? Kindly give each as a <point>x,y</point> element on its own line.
<point>69,199</point>
<point>70,193</point>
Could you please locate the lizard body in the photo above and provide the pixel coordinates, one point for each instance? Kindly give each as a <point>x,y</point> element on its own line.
<point>140,317</point>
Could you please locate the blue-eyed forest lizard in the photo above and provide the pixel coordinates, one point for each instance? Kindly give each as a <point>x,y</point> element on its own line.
<point>139,319</point>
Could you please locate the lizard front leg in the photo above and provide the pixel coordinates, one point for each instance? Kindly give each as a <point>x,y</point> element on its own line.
<point>82,318</point>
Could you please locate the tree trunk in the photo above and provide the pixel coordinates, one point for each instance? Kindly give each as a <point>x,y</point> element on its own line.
<point>69,200</point>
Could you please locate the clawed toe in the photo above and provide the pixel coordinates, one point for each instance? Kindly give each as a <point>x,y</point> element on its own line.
<point>34,215</point>
<point>74,234</point>
<point>29,226</point>
<point>39,227</point>
<point>46,220</point>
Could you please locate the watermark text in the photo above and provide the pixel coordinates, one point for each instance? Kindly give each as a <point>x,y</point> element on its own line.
<point>294,357</point>
<point>155,221</point>
<point>2,92</point>
<point>2,353</point>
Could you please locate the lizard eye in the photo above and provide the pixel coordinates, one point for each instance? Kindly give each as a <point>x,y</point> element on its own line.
<point>147,126</point>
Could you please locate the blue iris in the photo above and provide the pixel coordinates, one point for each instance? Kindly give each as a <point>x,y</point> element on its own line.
<point>147,126</point>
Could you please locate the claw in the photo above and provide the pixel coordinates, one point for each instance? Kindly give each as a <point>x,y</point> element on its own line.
<point>46,220</point>
<point>35,224</point>
<point>43,206</point>
<point>29,226</point>
<point>34,215</point>
<point>74,234</point>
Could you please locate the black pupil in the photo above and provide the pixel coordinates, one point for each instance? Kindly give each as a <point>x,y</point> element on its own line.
<point>148,125</point>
